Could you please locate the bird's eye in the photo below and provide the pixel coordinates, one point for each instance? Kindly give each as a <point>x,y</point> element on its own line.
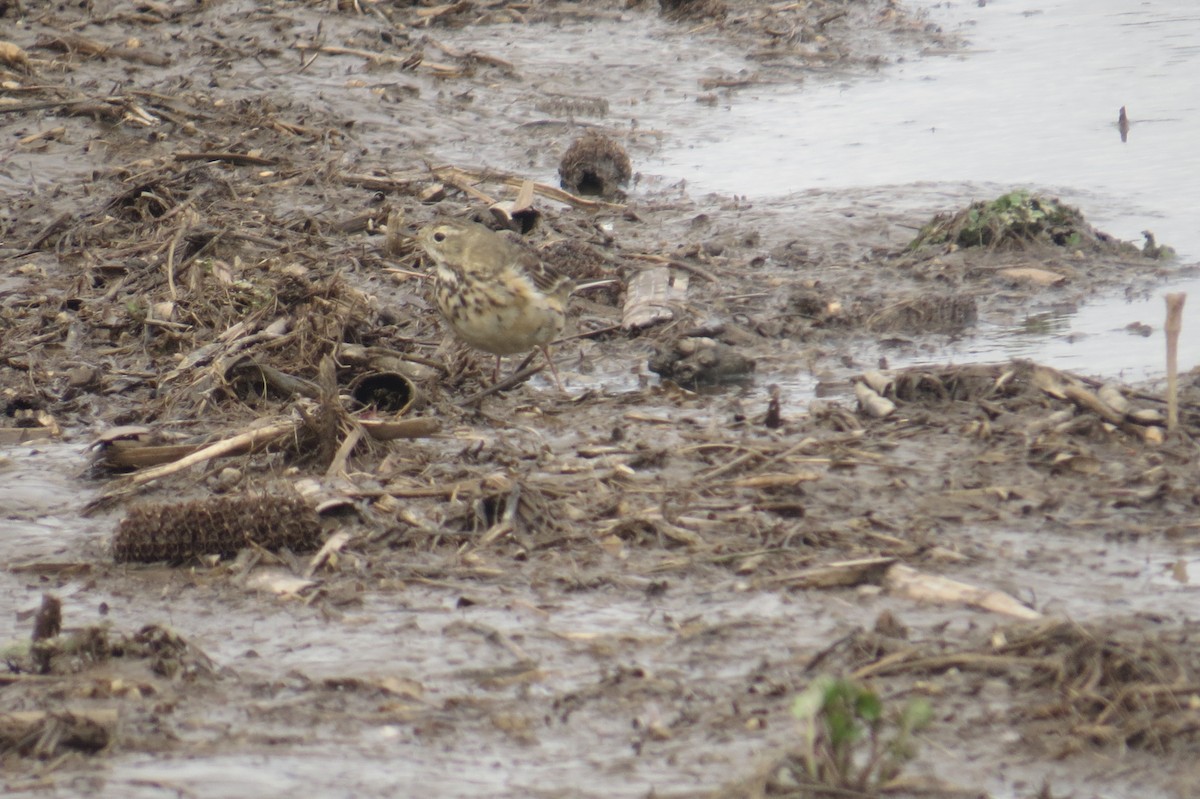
<point>439,237</point>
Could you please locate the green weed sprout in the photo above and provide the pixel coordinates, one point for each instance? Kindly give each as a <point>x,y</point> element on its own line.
<point>849,741</point>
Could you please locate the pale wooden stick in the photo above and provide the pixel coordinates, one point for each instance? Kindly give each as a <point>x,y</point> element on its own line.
<point>338,465</point>
<point>901,579</point>
<point>236,444</point>
<point>1174,325</point>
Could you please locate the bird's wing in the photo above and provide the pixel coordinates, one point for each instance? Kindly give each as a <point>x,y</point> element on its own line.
<point>546,279</point>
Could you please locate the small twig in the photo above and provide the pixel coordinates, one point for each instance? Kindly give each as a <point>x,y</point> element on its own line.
<point>587,334</point>
<point>11,679</point>
<point>383,430</point>
<point>467,188</point>
<point>964,661</point>
<point>173,103</point>
<point>445,173</point>
<point>825,20</point>
<point>820,789</point>
<point>239,159</point>
<point>750,455</point>
<point>469,487</point>
<point>55,225</point>
<point>171,263</point>
<point>659,259</point>
<point>41,106</point>
<point>378,58</point>
<point>208,245</point>
<point>513,380</point>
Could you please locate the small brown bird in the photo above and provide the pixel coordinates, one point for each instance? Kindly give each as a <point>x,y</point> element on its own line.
<point>497,295</point>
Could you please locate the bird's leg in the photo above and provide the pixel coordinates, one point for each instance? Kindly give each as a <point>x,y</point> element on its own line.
<point>546,351</point>
<point>496,372</point>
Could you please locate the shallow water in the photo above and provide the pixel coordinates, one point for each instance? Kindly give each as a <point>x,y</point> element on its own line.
<point>1032,102</point>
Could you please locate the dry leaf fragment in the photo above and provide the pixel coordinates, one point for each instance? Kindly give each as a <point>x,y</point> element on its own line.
<point>1032,276</point>
<point>871,403</point>
<point>13,55</point>
<point>279,583</point>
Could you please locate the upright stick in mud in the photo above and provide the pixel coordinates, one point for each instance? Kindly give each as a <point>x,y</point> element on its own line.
<point>1174,325</point>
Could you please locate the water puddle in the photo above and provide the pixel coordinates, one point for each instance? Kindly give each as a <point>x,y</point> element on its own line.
<point>1081,578</point>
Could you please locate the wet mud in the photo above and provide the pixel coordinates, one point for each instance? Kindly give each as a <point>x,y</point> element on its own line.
<point>207,251</point>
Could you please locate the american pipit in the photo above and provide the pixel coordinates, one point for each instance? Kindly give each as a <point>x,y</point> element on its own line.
<point>497,296</point>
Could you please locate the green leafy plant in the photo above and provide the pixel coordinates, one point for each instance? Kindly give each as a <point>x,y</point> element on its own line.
<point>850,741</point>
<point>1012,219</point>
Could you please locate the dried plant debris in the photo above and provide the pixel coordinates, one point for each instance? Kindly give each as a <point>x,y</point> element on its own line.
<point>968,383</point>
<point>218,526</point>
<point>695,361</point>
<point>596,165</point>
<point>155,654</point>
<point>49,734</point>
<point>946,314</point>
<point>47,622</point>
<point>578,260</point>
<point>46,734</point>
<point>1084,685</point>
<point>1036,400</point>
<point>813,305</point>
<point>1152,249</point>
<point>572,106</point>
<point>1013,221</point>
<point>693,9</point>
<point>12,55</point>
<point>78,649</point>
<point>594,271</point>
<point>1129,688</point>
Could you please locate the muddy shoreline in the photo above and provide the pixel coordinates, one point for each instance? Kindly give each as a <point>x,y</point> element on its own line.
<point>613,592</point>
